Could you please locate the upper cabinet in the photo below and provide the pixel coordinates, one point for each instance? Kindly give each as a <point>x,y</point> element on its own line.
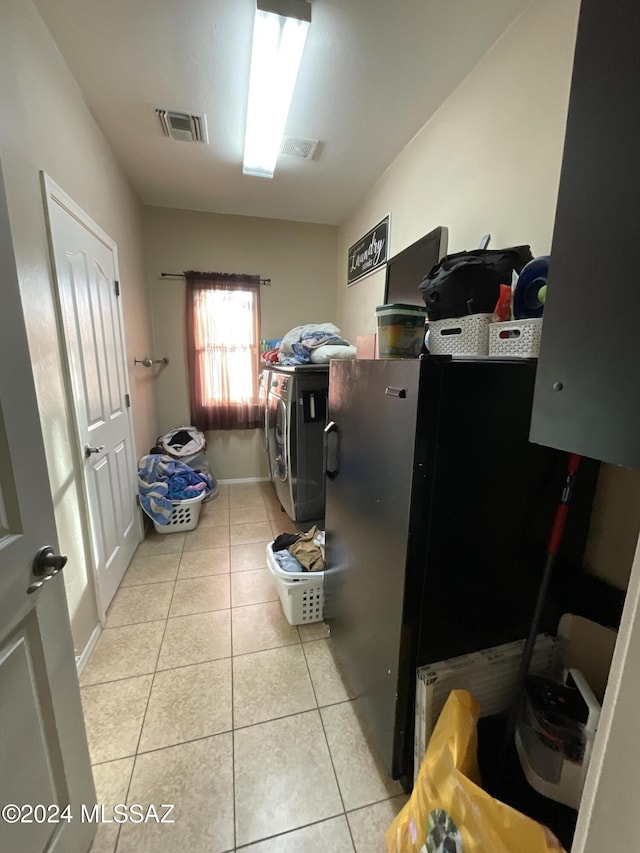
<point>587,397</point>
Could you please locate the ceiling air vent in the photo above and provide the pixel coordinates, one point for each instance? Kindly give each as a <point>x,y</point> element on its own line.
<point>183,126</point>
<point>298,146</point>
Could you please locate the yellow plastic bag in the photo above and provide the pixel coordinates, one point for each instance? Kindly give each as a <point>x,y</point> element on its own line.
<point>448,811</point>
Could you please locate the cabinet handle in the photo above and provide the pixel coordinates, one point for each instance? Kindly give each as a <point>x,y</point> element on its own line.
<point>331,444</point>
<point>390,391</point>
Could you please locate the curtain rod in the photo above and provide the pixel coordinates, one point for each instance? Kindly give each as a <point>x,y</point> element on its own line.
<point>265,281</point>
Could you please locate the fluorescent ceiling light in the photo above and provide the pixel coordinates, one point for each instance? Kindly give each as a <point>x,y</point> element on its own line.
<point>279,33</point>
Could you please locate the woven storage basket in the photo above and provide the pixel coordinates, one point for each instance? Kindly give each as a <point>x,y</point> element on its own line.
<point>516,339</point>
<point>461,335</point>
<point>301,593</point>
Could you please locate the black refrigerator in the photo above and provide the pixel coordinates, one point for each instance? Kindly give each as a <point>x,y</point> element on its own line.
<point>438,511</point>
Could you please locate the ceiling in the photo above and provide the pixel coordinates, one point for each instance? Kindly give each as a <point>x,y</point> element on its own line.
<point>372,73</point>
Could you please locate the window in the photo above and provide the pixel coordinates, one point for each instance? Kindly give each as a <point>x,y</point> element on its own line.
<point>223,337</point>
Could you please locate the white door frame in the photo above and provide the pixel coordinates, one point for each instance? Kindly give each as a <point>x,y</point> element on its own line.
<point>53,193</point>
<point>608,813</point>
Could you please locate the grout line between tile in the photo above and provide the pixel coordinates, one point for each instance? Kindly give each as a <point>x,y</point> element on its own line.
<point>233,735</point>
<point>141,622</point>
<point>274,719</point>
<point>326,740</point>
<point>164,669</point>
<point>241,571</point>
<point>291,831</point>
<point>111,760</point>
<point>116,627</point>
<point>376,803</point>
<point>135,756</point>
<point>155,668</point>
<point>237,728</point>
<point>146,583</point>
<point>253,603</point>
<point>144,716</point>
<point>209,547</point>
<point>183,742</point>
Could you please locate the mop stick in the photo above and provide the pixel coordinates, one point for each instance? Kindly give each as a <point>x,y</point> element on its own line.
<point>555,538</point>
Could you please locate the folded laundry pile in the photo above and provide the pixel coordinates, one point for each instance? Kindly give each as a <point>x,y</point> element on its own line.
<point>162,479</point>
<point>300,552</point>
<point>314,343</point>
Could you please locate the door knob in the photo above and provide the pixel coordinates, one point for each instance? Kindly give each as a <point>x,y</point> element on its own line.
<point>88,450</point>
<point>47,561</point>
<point>46,565</point>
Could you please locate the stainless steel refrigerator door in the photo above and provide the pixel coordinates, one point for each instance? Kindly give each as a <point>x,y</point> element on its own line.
<point>367,523</point>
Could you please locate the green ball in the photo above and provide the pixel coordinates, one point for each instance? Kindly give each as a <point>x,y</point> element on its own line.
<point>542,294</point>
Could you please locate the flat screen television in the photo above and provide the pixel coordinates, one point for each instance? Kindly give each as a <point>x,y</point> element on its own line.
<point>406,270</point>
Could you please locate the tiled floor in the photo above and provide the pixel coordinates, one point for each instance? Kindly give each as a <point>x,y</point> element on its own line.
<point>200,694</point>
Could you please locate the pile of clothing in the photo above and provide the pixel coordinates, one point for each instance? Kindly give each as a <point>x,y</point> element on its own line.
<point>188,445</point>
<point>314,343</point>
<point>300,552</point>
<point>162,479</point>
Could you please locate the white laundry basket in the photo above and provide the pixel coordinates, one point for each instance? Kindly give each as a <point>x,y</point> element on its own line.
<point>301,593</point>
<point>184,515</point>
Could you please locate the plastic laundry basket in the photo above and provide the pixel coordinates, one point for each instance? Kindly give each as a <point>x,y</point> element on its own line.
<point>184,515</point>
<point>301,593</point>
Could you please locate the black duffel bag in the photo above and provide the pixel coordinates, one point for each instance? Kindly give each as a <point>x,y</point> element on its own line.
<point>469,282</point>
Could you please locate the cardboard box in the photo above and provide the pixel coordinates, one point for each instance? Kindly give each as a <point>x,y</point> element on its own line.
<point>491,674</point>
<point>588,647</point>
<point>367,346</point>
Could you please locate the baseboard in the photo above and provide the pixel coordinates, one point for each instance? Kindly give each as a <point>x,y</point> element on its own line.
<point>81,660</point>
<point>244,480</point>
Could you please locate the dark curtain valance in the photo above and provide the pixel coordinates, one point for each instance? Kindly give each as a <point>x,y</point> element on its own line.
<point>229,281</point>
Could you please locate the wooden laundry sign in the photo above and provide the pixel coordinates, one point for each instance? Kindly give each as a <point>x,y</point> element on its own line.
<point>369,253</point>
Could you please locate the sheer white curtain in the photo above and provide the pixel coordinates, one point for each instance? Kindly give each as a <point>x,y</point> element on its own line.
<point>223,335</point>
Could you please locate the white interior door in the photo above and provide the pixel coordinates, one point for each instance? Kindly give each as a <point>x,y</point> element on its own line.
<point>43,748</point>
<point>86,270</point>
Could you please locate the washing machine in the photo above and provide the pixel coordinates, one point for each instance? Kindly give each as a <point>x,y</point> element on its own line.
<point>296,417</point>
<point>265,379</point>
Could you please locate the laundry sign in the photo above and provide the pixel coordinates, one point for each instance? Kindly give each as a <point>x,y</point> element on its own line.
<point>369,253</point>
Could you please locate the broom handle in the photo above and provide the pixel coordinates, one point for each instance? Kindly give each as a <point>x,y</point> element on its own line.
<point>555,538</point>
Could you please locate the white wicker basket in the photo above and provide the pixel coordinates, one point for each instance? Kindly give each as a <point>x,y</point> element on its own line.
<point>184,515</point>
<point>461,335</point>
<point>301,593</point>
<point>516,339</point>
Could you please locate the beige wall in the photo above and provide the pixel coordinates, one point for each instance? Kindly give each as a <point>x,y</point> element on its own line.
<point>300,260</point>
<point>45,125</point>
<point>615,523</point>
<point>489,161</point>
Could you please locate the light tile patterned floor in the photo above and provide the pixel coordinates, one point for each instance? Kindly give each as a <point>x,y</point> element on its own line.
<point>200,694</point>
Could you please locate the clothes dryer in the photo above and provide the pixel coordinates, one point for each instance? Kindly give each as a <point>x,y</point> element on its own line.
<point>297,415</point>
<point>265,379</point>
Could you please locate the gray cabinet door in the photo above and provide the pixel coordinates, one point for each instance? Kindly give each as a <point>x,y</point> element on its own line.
<point>587,397</point>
